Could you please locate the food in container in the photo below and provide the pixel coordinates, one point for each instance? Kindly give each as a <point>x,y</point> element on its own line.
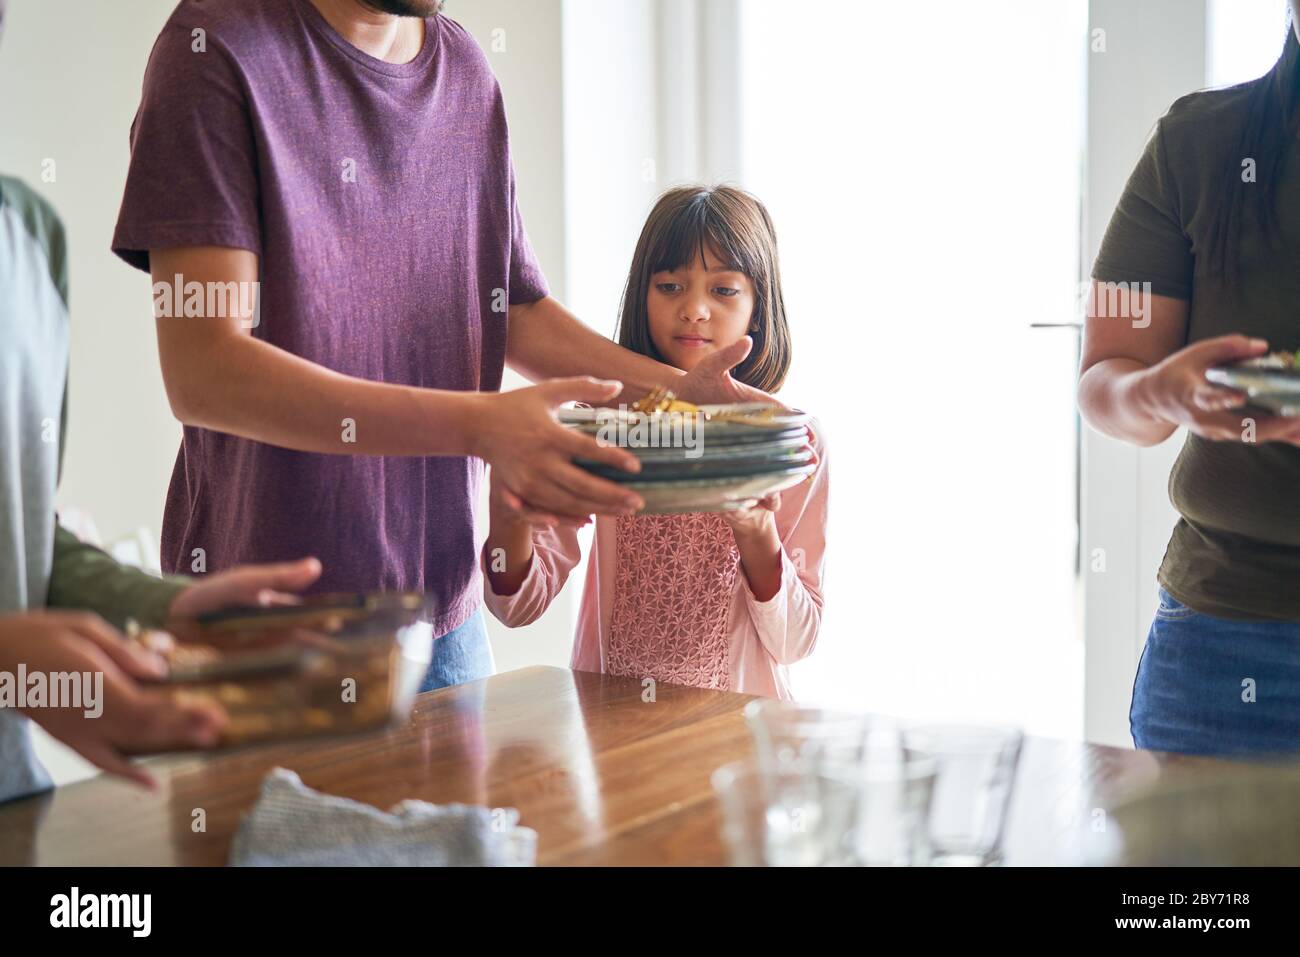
<point>331,665</point>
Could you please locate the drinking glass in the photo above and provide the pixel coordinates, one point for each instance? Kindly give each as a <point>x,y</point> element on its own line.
<point>893,790</point>
<point>975,770</point>
<point>791,816</point>
<point>785,732</point>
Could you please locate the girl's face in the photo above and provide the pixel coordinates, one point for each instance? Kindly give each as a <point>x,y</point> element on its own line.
<point>698,309</point>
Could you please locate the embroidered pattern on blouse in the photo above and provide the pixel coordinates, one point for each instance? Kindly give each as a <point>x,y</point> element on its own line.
<point>676,575</point>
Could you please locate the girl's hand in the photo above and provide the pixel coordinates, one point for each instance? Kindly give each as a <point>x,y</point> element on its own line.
<point>1175,390</point>
<point>128,718</point>
<point>755,519</point>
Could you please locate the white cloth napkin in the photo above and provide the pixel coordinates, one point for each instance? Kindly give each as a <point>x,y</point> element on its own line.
<point>293,826</point>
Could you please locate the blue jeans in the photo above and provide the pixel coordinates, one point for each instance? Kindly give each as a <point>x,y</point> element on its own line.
<point>460,655</point>
<point>1217,686</point>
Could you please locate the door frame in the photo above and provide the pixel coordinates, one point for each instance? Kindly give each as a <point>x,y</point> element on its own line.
<point>1154,52</point>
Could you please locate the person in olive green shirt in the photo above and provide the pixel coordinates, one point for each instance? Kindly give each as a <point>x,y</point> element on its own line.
<point>1200,267</point>
<point>63,603</point>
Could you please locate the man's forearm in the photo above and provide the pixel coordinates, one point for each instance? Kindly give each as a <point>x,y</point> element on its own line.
<point>246,387</point>
<point>218,377</point>
<point>546,341</point>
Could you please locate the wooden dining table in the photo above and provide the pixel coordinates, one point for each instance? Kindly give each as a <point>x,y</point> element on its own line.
<point>605,771</point>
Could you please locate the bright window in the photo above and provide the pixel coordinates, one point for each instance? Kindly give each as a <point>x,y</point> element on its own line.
<point>922,162</point>
<point>1244,39</point>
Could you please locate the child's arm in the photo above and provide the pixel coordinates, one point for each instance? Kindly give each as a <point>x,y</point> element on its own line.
<point>524,565</point>
<point>782,559</point>
<point>84,577</point>
<point>760,548</point>
<point>507,553</point>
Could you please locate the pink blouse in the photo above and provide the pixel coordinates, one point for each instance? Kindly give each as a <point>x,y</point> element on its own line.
<point>666,597</point>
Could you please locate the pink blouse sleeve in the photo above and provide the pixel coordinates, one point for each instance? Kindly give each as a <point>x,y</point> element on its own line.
<point>555,553</point>
<point>789,621</point>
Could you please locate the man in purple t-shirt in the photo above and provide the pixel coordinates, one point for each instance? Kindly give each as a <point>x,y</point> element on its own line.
<point>323,192</point>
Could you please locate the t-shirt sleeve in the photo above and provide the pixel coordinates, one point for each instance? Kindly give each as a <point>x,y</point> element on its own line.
<point>86,578</point>
<point>1145,241</point>
<point>527,281</point>
<point>192,179</point>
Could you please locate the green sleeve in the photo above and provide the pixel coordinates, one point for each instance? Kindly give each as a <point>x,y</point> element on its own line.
<point>86,578</point>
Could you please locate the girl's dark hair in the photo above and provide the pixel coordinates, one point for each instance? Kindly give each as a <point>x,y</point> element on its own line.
<point>726,222</point>
<point>1272,122</point>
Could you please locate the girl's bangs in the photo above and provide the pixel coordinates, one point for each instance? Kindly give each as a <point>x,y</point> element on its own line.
<point>695,231</point>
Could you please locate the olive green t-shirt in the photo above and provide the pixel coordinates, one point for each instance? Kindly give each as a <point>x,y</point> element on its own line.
<point>1235,552</point>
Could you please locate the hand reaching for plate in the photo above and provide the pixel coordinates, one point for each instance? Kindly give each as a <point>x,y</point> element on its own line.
<point>711,382</point>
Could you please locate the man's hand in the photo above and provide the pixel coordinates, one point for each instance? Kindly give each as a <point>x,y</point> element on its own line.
<point>711,383</point>
<point>133,719</point>
<point>249,586</point>
<point>511,515</point>
<point>531,454</point>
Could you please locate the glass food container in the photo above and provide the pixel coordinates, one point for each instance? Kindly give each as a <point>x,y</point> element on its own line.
<point>332,665</point>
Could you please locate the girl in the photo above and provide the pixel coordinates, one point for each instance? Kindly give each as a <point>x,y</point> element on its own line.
<point>1204,257</point>
<point>710,600</point>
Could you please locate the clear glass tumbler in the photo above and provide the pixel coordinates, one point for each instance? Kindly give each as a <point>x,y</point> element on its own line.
<point>792,816</point>
<point>975,771</point>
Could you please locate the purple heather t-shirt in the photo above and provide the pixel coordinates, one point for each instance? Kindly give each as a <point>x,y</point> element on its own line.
<point>381,201</point>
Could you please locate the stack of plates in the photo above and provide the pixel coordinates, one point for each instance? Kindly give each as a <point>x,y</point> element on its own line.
<point>725,457</point>
<point>1271,384</point>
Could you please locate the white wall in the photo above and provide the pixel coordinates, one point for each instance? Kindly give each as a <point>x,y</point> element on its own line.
<point>922,170</point>
<point>122,439</point>
<point>1155,52</point>
<point>522,40</point>
<point>612,156</point>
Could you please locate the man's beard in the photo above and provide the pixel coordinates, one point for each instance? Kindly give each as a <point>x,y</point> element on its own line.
<point>406,8</point>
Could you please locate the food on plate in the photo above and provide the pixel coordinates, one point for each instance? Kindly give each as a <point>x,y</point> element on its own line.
<point>662,400</point>
<point>1274,360</point>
